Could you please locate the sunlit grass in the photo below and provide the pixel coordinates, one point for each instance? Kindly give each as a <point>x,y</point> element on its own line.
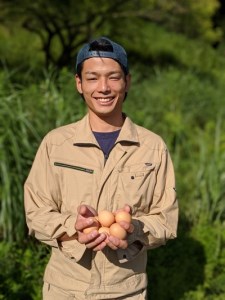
<point>26,115</point>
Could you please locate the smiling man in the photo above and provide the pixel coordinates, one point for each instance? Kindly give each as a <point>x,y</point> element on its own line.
<point>103,85</point>
<point>102,162</point>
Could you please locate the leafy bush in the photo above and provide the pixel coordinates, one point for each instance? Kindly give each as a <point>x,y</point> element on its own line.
<point>19,50</point>
<point>23,270</point>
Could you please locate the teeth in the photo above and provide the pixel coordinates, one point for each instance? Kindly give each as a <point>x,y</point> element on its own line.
<point>104,99</point>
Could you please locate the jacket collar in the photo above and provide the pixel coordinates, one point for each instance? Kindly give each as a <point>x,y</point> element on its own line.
<point>84,133</point>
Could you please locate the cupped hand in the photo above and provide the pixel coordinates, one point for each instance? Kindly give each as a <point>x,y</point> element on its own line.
<point>85,218</point>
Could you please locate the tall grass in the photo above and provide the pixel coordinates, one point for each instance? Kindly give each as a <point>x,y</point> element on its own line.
<point>210,179</point>
<point>26,114</point>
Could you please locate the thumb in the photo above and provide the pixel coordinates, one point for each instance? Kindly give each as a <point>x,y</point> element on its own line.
<point>81,209</point>
<point>127,208</point>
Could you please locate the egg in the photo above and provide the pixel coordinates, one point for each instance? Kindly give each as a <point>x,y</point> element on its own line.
<point>123,216</point>
<point>89,229</point>
<point>106,218</point>
<point>117,231</point>
<point>94,226</point>
<point>104,230</point>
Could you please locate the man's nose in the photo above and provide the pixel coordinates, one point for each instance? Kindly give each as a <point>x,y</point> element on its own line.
<point>103,85</point>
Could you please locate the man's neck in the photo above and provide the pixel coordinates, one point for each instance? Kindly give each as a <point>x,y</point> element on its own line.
<point>104,124</point>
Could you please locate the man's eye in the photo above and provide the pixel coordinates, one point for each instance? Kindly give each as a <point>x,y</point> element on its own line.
<point>91,78</point>
<point>115,78</point>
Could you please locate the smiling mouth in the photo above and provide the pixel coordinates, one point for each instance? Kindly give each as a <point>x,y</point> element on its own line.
<point>105,100</point>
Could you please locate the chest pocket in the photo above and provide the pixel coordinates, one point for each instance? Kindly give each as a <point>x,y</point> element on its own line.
<point>76,183</point>
<point>136,186</point>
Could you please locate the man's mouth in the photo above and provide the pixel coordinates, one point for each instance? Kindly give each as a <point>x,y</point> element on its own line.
<point>105,100</point>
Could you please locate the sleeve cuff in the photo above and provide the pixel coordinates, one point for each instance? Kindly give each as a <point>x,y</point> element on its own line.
<point>69,225</point>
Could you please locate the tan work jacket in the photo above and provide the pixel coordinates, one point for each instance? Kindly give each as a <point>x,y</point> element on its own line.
<point>70,169</point>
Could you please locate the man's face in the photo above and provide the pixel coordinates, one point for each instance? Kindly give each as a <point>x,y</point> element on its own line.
<point>103,85</point>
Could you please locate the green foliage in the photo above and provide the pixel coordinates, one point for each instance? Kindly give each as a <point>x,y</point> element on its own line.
<point>19,50</point>
<point>60,27</point>
<point>177,268</point>
<point>200,22</point>
<point>212,238</point>
<point>191,267</point>
<point>23,271</point>
<point>210,179</point>
<point>177,91</point>
<point>155,46</point>
<point>26,114</point>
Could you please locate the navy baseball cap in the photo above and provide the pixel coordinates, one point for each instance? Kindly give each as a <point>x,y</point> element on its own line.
<point>118,53</point>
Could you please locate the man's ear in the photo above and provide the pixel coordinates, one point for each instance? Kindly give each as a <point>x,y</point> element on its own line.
<point>78,84</point>
<point>128,82</point>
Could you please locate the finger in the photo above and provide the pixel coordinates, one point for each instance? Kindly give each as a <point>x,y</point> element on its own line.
<point>100,246</point>
<point>87,238</point>
<point>127,208</point>
<point>86,210</point>
<point>123,244</point>
<point>129,227</point>
<point>98,243</point>
<point>113,242</point>
<point>111,245</point>
<point>83,223</point>
<point>81,209</point>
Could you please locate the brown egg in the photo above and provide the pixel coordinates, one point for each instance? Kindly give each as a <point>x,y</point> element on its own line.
<point>123,216</point>
<point>117,231</point>
<point>89,229</point>
<point>104,230</point>
<point>94,226</point>
<point>106,218</point>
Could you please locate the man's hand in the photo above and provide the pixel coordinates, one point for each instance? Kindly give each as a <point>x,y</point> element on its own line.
<point>93,240</point>
<point>114,242</point>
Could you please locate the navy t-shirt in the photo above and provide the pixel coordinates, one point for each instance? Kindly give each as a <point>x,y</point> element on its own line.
<point>106,140</point>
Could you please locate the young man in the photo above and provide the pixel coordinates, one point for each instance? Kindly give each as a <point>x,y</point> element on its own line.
<point>102,162</point>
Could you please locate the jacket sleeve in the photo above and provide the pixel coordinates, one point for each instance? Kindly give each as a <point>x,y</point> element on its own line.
<point>42,201</point>
<point>160,223</point>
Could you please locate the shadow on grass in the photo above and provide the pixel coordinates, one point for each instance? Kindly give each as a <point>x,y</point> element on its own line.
<point>176,268</point>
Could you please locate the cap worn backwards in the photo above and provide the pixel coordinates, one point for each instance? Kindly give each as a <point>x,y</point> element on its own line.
<point>118,53</point>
